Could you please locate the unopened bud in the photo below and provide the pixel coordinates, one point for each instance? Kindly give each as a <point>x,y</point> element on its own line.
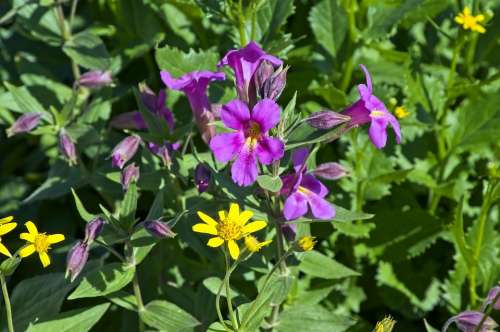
<point>93,229</point>
<point>125,150</point>
<point>493,295</point>
<point>468,321</point>
<point>159,229</point>
<point>270,82</point>
<point>330,171</point>
<point>129,174</point>
<point>67,147</point>
<point>77,258</point>
<point>305,243</point>
<point>202,176</point>
<point>326,119</point>
<point>95,79</point>
<point>385,325</point>
<point>25,123</point>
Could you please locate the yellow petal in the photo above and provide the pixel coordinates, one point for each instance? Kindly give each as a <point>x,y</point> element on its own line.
<point>44,258</point>
<point>27,237</point>
<point>4,250</point>
<point>5,228</point>
<point>265,243</point>
<point>26,250</point>
<point>31,228</point>
<point>234,250</point>
<point>254,226</point>
<point>480,18</point>
<point>55,238</point>
<point>207,219</point>
<point>6,219</point>
<point>222,215</point>
<point>479,28</point>
<point>466,11</point>
<point>234,211</point>
<point>459,19</point>
<point>245,216</point>
<point>204,228</point>
<point>215,242</point>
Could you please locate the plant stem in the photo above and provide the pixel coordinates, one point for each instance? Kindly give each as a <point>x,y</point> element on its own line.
<point>66,34</point>
<point>228,292</point>
<point>241,24</point>
<point>135,284</point>
<point>6,299</point>
<point>350,45</point>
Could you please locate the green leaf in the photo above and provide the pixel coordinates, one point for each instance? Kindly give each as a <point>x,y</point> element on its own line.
<point>79,320</point>
<point>9,265</point>
<point>269,183</point>
<point>344,215</point>
<point>26,102</point>
<point>428,327</point>
<point>87,50</point>
<point>157,127</point>
<point>306,135</point>
<point>328,22</point>
<point>313,318</point>
<point>271,16</point>
<point>318,265</point>
<point>213,284</point>
<point>109,279</point>
<point>87,216</point>
<point>124,300</point>
<point>166,316</point>
<point>177,63</point>
<point>39,21</point>
<point>457,230</point>
<point>128,207</point>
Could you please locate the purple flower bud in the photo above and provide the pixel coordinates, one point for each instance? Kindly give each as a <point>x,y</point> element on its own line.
<point>129,120</point>
<point>156,104</point>
<point>270,82</point>
<point>263,73</point>
<point>93,229</point>
<point>164,151</point>
<point>125,150</point>
<point>202,177</point>
<point>468,321</point>
<point>95,79</point>
<point>159,229</point>
<point>129,174</point>
<point>492,294</point>
<point>67,147</point>
<point>24,123</point>
<point>326,119</point>
<point>76,260</point>
<point>330,171</point>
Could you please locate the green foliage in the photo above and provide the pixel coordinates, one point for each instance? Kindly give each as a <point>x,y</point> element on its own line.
<point>167,316</point>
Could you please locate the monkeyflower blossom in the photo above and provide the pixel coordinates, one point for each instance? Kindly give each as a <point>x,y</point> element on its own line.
<point>244,63</point>
<point>6,225</point>
<point>468,321</point>
<point>129,174</point>
<point>202,176</point>
<point>38,242</point>
<point>230,228</point>
<point>468,21</point>
<point>76,260</point>
<point>492,294</point>
<point>25,123</point>
<point>251,141</point>
<point>125,150</point>
<point>194,85</point>
<point>253,245</point>
<point>302,189</point>
<point>93,229</point>
<point>95,79</point>
<point>369,109</point>
<point>67,147</point>
<point>159,229</point>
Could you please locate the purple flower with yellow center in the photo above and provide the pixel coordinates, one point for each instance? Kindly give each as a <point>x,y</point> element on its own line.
<point>195,85</point>
<point>370,109</point>
<point>25,123</point>
<point>251,142</point>
<point>245,63</point>
<point>304,191</point>
<point>125,150</point>
<point>468,321</point>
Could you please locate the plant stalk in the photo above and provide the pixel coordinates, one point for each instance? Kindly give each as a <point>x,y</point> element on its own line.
<point>6,299</point>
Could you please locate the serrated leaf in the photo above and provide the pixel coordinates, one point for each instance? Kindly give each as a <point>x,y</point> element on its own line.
<point>178,63</point>
<point>167,316</point>
<point>328,21</point>
<point>318,265</point>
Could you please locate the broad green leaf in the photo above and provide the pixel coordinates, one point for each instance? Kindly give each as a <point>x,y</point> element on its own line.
<point>428,327</point>
<point>142,243</point>
<point>306,135</point>
<point>313,318</point>
<point>87,216</point>
<point>123,299</point>
<point>79,320</point>
<point>166,316</point>
<point>269,183</point>
<point>457,230</point>
<point>128,206</point>
<point>213,284</point>
<point>318,265</point>
<point>87,50</point>
<point>271,16</point>
<point>109,279</point>
<point>26,102</point>
<point>328,21</point>
<point>177,63</point>
<point>344,215</point>
<point>39,21</point>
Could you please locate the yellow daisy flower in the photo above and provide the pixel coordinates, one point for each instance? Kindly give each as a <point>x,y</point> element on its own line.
<point>39,242</point>
<point>231,227</point>
<point>468,21</point>
<point>307,243</point>
<point>253,245</point>
<point>401,112</point>
<point>6,226</point>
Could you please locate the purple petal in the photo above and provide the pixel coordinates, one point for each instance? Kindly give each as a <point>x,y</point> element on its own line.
<point>395,126</point>
<point>295,206</point>
<point>314,185</point>
<point>235,114</point>
<point>269,149</point>
<point>368,78</point>
<point>129,120</point>
<point>320,208</point>
<point>244,170</point>
<point>225,146</point>
<point>266,113</point>
<point>299,157</point>
<point>377,132</point>
<point>193,80</point>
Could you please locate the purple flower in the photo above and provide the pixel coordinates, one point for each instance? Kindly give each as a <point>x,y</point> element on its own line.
<point>326,119</point>
<point>76,260</point>
<point>25,123</point>
<point>93,229</point>
<point>95,79</point>
<point>67,147</point>
<point>194,85</point>
<point>303,189</point>
<point>164,151</point>
<point>245,63</point>
<point>159,229</point>
<point>250,141</point>
<point>125,150</point>
<point>129,120</point>
<point>129,174</point>
<point>370,109</point>
<point>492,294</point>
<point>202,177</point>
<point>468,321</point>
<point>330,171</point>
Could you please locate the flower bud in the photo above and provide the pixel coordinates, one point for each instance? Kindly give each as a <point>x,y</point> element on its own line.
<point>93,229</point>
<point>468,321</point>
<point>129,174</point>
<point>67,147</point>
<point>493,294</point>
<point>159,229</point>
<point>270,82</point>
<point>95,79</point>
<point>125,150</point>
<point>253,245</point>
<point>330,171</point>
<point>129,120</point>
<point>263,73</point>
<point>202,176</point>
<point>25,123</point>
<point>305,243</point>
<point>76,260</point>
<point>385,325</point>
<point>326,119</point>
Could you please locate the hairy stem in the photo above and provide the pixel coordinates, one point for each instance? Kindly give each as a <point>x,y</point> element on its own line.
<point>6,300</point>
<point>135,284</point>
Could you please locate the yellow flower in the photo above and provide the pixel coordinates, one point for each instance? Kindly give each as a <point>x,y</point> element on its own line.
<point>6,226</point>
<point>253,245</point>
<point>306,243</point>
<point>401,112</point>
<point>39,242</point>
<point>385,325</point>
<point>470,22</point>
<point>231,227</point>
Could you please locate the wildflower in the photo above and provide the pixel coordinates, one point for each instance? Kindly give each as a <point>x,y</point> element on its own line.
<point>468,321</point>
<point>269,82</point>
<point>245,63</point>
<point>93,229</point>
<point>67,147</point>
<point>129,174</point>
<point>38,242</point>
<point>330,171</point>
<point>195,85</point>
<point>326,119</point>
<point>492,294</point>
<point>6,225</point>
<point>95,79</point>
<point>468,21</point>
<point>370,109</point>
<point>25,123</point>
<point>164,151</point>
<point>303,189</point>
<point>202,176</point>
<point>76,260</point>
<point>125,150</point>
<point>253,245</point>
<point>385,325</point>
<point>401,112</point>
<point>230,228</point>
<point>251,139</point>
<point>306,243</point>
<point>159,229</point>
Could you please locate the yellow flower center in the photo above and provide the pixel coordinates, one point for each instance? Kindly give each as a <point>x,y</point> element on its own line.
<point>252,133</point>
<point>229,229</point>
<point>376,114</point>
<point>401,112</point>
<point>41,243</point>
<point>306,243</point>
<point>303,190</point>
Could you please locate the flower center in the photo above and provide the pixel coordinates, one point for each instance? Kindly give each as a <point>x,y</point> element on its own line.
<point>229,230</point>
<point>253,130</point>
<point>303,190</point>
<point>41,243</point>
<point>376,113</point>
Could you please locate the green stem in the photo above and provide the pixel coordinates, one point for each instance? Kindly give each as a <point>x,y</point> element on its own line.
<point>111,250</point>
<point>135,284</point>
<point>66,34</point>
<point>232,316</point>
<point>471,52</point>
<point>6,299</point>
<point>241,24</point>
<point>349,66</point>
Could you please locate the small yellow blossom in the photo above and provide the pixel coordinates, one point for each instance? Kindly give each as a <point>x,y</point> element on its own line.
<point>385,325</point>
<point>231,227</point>
<point>401,112</point>
<point>306,243</point>
<point>39,242</point>
<point>6,225</point>
<point>253,245</point>
<point>469,21</point>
